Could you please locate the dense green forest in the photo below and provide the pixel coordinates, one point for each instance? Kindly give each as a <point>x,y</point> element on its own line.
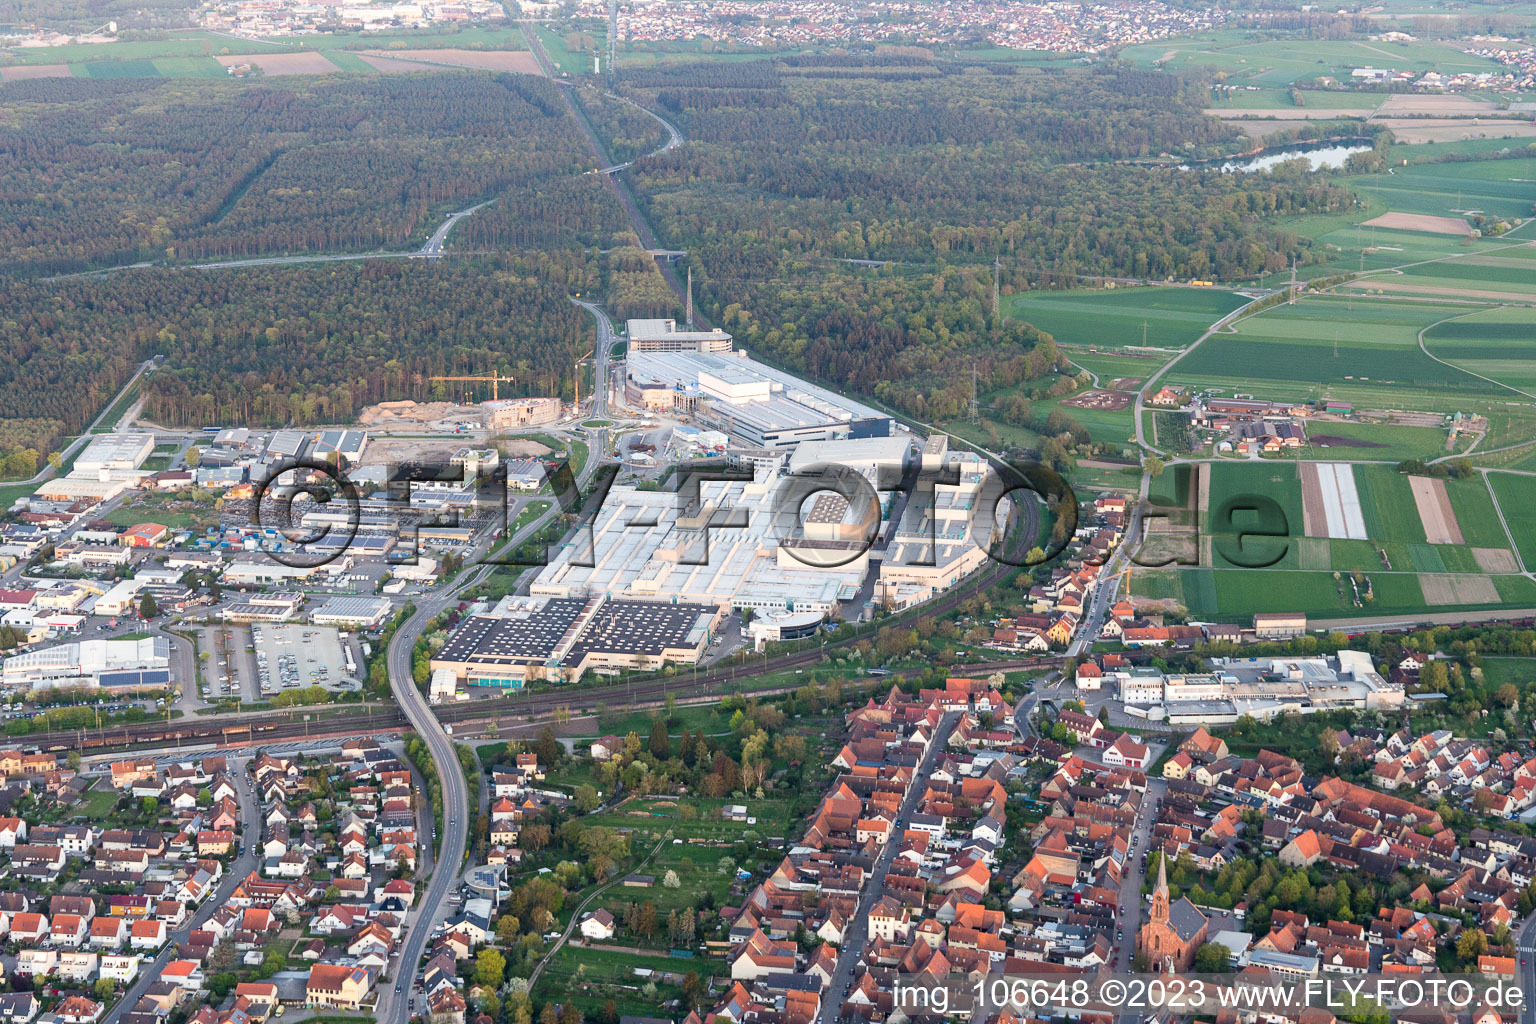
<point>793,168</point>
<point>625,130</point>
<point>801,164</point>
<point>287,344</point>
<point>113,171</point>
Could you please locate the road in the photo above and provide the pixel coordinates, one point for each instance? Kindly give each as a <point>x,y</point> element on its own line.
<point>46,473</point>
<point>394,1000</point>
<point>856,935</point>
<point>637,221</point>
<point>1147,387</point>
<point>1525,946</point>
<point>602,352</point>
<point>674,137</point>
<point>1109,581</point>
<point>234,874</point>
<point>433,247</point>
<point>1130,904</point>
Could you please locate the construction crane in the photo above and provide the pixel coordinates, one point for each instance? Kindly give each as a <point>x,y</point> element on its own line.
<point>494,378</point>
<point>577,369</point>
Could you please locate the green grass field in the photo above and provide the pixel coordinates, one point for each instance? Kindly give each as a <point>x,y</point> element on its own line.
<point>99,802</point>
<point>575,62</point>
<point>1517,501</point>
<point>1495,187</point>
<point>697,868</point>
<point>132,514</point>
<point>1497,343</point>
<point>1497,670</point>
<point>1478,519</point>
<point>1331,346</point>
<point>116,69</point>
<point>189,67</point>
<point>1376,441</point>
<point>1114,318</point>
<point>1109,366</point>
<point>1386,503</point>
<point>1112,426</point>
<point>1234,595</point>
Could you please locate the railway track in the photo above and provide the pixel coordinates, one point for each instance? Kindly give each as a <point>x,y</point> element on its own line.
<point>276,726</point>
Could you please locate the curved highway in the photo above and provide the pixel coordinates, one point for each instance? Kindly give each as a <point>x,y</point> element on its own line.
<point>394,1004</point>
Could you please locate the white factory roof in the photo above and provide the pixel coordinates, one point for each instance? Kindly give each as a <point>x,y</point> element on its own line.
<point>114,451</point>
<point>648,330</point>
<point>791,401</point>
<point>639,551</point>
<point>90,657</point>
<point>857,453</point>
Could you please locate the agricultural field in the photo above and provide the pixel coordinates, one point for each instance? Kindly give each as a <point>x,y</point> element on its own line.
<point>1517,501</point>
<point>1277,63</point>
<point>1497,188</point>
<point>1496,343</point>
<point>1349,348</point>
<point>1427,546</point>
<point>195,54</point>
<point>1114,318</point>
<point>1234,595</point>
<point>1464,536</point>
<point>1475,512</point>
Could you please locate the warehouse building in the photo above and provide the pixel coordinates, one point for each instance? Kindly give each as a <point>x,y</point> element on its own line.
<point>84,662</point>
<point>561,639</point>
<point>352,612</point>
<point>754,404</point>
<point>348,444</point>
<point>730,549</point>
<point>114,451</point>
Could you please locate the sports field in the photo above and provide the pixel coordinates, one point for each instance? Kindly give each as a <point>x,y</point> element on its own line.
<point>1114,318</point>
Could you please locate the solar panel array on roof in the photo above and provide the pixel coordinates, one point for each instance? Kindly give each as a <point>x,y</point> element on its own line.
<point>639,627</point>
<point>148,677</point>
<point>509,641</point>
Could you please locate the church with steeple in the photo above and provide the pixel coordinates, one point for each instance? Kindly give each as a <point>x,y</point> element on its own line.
<point>1173,932</point>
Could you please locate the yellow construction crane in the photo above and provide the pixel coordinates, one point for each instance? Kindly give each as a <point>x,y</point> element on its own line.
<point>494,378</point>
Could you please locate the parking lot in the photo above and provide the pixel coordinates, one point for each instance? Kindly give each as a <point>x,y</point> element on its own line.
<point>229,667</point>
<point>292,657</point>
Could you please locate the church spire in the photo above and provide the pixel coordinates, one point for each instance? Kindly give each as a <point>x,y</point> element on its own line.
<point>1160,894</point>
